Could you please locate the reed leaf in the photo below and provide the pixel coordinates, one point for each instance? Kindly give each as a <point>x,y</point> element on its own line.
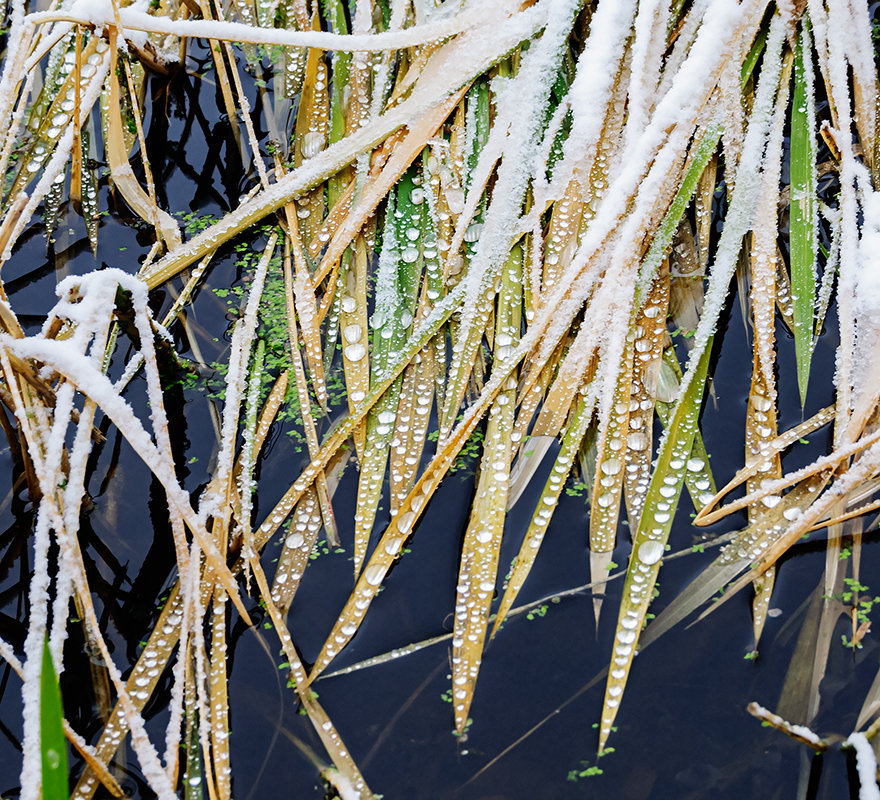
<point>482,540</point>
<point>53,747</point>
<point>803,217</point>
<point>650,540</point>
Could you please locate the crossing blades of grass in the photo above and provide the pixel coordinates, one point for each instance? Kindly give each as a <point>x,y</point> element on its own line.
<point>482,541</point>
<point>547,503</point>
<point>650,541</point>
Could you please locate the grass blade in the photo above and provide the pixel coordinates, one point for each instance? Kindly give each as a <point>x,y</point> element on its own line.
<point>482,541</point>
<point>547,503</point>
<point>803,214</point>
<point>650,541</point>
<point>53,747</point>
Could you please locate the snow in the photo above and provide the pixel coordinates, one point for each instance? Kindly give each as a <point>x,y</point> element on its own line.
<point>647,58</point>
<point>520,115</point>
<point>590,91</point>
<point>802,731</point>
<point>33,652</point>
<point>100,13</point>
<point>58,161</point>
<point>866,764</point>
<point>834,40</point>
<point>743,202</point>
<point>240,350</point>
<point>866,302</point>
<point>805,733</point>
<point>19,40</point>
<point>450,67</point>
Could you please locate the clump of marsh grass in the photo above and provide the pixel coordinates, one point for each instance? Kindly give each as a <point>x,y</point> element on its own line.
<point>491,216</point>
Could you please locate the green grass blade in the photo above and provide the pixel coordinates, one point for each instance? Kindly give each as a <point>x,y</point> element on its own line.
<point>192,779</point>
<point>803,213</point>
<point>650,541</point>
<point>53,747</point>
<point>699,480</point>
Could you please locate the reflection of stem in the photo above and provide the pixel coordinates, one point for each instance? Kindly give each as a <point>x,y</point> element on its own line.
<point>97,667</point>
<point>386,731</point>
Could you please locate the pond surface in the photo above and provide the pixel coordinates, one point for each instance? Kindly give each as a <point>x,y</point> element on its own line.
<point>683,731</point>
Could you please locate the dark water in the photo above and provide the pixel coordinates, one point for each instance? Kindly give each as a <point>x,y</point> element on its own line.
<point>683,731</point>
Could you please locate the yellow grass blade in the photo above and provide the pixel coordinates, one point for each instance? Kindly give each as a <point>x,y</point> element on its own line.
<point>650,333</point>
<point>547,502</point>
<point>482,540</point>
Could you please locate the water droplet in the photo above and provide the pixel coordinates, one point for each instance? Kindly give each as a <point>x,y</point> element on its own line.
<point>761,403</point>
<point>637,441</point>
<point>374,574</point>
<point>650,552</point>
<point>352,333</point>
<point>472,234</point>
<point>355,352</point>
<point>611,466</point>
<point>311,144</point>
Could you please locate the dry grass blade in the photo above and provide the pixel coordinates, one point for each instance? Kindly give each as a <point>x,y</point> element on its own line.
<point>571,443</point>
<point>498,222</point>
<point>482,540</point>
